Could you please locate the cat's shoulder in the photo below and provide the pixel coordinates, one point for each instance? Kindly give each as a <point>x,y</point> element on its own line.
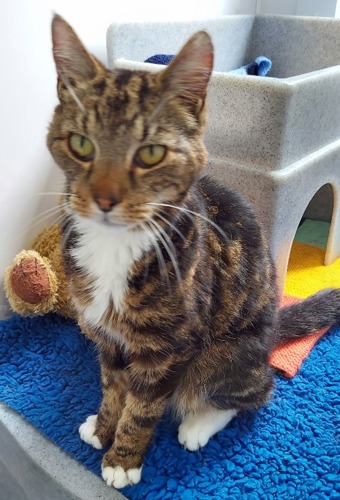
<point>230,205</point>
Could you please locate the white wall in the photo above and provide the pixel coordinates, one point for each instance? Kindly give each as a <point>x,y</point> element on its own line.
<point>299,7</point>
<point>337,10</point>
<point>26,99</point>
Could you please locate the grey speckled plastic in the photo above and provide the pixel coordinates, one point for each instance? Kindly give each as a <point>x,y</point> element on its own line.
<point>33,468</point>
<point>276,139</point>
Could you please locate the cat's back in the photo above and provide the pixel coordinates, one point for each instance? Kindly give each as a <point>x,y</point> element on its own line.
<point>245,282</point>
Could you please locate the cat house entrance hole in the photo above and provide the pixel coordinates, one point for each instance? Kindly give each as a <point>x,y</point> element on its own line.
<point>314,227</point>
<point>320,208</point>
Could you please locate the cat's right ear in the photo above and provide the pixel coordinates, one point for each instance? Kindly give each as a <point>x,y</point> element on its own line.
<point>188,74</point>
<point>73,62</point>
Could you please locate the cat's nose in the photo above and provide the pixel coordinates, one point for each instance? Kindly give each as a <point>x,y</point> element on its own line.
<point>106,204</point>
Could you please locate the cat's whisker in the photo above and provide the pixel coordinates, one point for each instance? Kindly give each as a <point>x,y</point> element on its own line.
<point>52,215</point>
<point>44,216</point>
<point>55,193</point>
<point>169,247</point>
<point>147,263</point>
<point>55,208</point>
<point>60,219</point>
<point>32,196</point>
<point>40,219</point>
<point>56,221</point>
<point>160,258</point>
<point>192,213</point>
<point>172,226</point>
<point>55,212</point>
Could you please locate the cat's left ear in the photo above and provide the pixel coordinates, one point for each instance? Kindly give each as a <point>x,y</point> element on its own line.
<point>188,74</point>
<point>72,60</point>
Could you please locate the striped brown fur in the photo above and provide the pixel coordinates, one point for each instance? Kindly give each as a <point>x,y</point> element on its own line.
<point>198,318</point>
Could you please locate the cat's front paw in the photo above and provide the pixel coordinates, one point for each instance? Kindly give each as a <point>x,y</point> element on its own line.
<point>87,432</point>
<point>196,429</point>
<point>119,478</point>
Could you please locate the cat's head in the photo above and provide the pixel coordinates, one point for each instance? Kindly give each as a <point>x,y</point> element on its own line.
<point>127,139</point>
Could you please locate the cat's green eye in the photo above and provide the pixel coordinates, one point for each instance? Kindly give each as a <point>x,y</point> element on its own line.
<point>81,147</point>
<point>149,156</point>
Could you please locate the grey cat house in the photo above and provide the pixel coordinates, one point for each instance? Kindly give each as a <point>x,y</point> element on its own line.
<point>276,139</point>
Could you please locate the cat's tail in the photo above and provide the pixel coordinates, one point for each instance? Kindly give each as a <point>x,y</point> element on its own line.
<point>310,315</point>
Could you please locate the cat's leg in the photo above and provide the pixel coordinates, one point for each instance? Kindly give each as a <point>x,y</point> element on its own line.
<point>122,464</point>
<point>152,382</point>
<point>233,389</point>
<point>197,428</point>
<point>99,430</point>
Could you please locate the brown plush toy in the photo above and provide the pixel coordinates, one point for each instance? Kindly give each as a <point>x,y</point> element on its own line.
<point>35,283</point>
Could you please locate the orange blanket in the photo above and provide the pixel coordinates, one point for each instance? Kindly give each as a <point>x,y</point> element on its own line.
<point>306,275</point>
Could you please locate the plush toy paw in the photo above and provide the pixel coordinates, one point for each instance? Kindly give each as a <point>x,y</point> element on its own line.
<point>30,285</point>
<point>30,280</point>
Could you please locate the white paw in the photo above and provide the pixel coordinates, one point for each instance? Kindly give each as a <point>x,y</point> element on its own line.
<point>87,432</point>
<point>119,478</point>
<point>196,429</point>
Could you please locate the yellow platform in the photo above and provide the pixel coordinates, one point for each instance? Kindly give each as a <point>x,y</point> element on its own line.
<point>306,272</point>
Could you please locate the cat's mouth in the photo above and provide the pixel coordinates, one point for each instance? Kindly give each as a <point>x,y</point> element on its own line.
<point>105,220</point>
<point>117,219</point>
<point>114,224</point>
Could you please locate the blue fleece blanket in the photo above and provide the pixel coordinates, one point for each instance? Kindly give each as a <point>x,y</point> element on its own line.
<point>258,67</point>
<point>287,450</point>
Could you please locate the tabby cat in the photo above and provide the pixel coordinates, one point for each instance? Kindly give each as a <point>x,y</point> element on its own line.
<point>170,273</point>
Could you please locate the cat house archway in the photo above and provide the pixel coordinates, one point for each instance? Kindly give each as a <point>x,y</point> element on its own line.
<point>280,198</point>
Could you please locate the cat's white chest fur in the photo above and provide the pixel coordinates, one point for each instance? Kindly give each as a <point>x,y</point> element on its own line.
<point>107,256</point>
